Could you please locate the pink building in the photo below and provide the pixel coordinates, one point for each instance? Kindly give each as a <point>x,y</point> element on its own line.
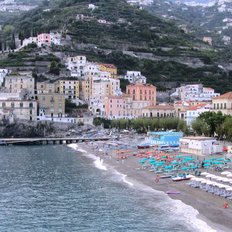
<point>142,92</point>
<point>115,107</point>
<point>44,39</point>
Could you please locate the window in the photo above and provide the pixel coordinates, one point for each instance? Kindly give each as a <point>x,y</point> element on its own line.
<point>30,104</point>
<point>3,104</point>
<point>224,105</point>
<point>12,104</point>
<point>21,105</point>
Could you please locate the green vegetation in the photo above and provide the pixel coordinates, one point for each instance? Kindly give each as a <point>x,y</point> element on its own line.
<point>144,124</point>
<point>211,124</point>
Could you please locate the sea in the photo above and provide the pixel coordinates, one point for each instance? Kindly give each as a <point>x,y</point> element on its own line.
<point>63,188</point>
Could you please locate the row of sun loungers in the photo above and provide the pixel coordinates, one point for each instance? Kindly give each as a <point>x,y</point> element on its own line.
<point>217,185</point>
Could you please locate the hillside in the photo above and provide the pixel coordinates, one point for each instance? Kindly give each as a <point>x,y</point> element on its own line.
<point>214,20</point>
<point>129,37</point>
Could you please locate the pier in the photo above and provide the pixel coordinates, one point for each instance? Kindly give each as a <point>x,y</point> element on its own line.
<point>47,141</point>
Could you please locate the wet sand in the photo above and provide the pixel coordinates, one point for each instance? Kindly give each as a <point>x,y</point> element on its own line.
<point>210,207</point>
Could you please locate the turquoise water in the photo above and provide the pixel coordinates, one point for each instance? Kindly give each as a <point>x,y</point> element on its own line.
<point>56,188</point>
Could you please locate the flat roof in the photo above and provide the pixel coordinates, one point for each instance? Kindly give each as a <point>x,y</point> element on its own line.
<point>199,138</point>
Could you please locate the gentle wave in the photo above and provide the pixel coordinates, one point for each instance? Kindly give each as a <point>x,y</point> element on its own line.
<point>122,177</point>
<point>98,162</point>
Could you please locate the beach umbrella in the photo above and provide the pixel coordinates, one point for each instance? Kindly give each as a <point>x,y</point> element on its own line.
<point>179,156</point>
<point>207,165</point>
<point>207,161</point>
<point>193,167</point>
<point>184,168</point>
<point>188,158</point>
<point>174,162</point>
<point>168,167</point>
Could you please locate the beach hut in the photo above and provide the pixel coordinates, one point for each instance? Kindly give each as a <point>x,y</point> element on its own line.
<point>200,145</point>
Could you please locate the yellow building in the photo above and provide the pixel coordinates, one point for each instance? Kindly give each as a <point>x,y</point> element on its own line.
<point>51,104</point>
<point>223,103</point>
<point>70,88</point>
<point>112,69</point>
<point>87,88</point>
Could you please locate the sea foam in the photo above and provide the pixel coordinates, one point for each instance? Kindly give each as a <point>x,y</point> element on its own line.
<point>98,162</point>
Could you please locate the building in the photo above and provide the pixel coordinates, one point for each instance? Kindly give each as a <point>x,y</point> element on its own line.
<point>193,112</point>
<point>194,92</point>
<point>200,146</point>
<point>30,40</point>
<point>142,92</point>
<point>158,111</point>
<point>70,88</point>
<point>223,103</point>
<point>3,74</point>
<point>116,107</point>
<point>45,87</point>
<point>51,104</point>
<point>162,138</point>
<point>92,69</point>
<point>44,39</point>
<point>135,77</point>
<point>208,40</point>
<point>101,88</point>
<point>13,109</point>
<point>20,84</point>
<point>76,65</point>
<point>110,68</point>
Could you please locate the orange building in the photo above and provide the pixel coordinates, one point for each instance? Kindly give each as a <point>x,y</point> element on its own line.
<point>142,92</point>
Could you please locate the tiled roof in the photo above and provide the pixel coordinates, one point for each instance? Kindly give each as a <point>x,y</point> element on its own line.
<point>160,107</point>
<point>196,107</point>
<point>109,65</point>
<point>224,96</point>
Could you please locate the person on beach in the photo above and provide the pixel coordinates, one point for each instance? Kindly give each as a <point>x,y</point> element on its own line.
<point>157,178</point>
<point>226,205</point>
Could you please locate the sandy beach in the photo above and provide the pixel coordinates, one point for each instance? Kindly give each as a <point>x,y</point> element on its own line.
<point>209,206</point>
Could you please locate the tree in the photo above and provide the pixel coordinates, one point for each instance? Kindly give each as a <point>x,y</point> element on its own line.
<point>54,68</point>
<point>201,127</point>
<point>213,120</point>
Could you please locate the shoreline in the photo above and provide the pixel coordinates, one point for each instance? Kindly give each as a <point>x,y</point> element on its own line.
<point>210,208</point>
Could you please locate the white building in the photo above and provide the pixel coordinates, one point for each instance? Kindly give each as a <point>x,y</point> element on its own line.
<point>226,39</point>
<point>13,109</point>
<point>194,111</point>
<point>194,92</point>
<point>29,40</point>
<point>91,69</point>
<point>3,74</point>
<point>76,65</point>
<point>92,7</point>
<point>135,77</point>
<point>101,88</point>
<point>200,145</point>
